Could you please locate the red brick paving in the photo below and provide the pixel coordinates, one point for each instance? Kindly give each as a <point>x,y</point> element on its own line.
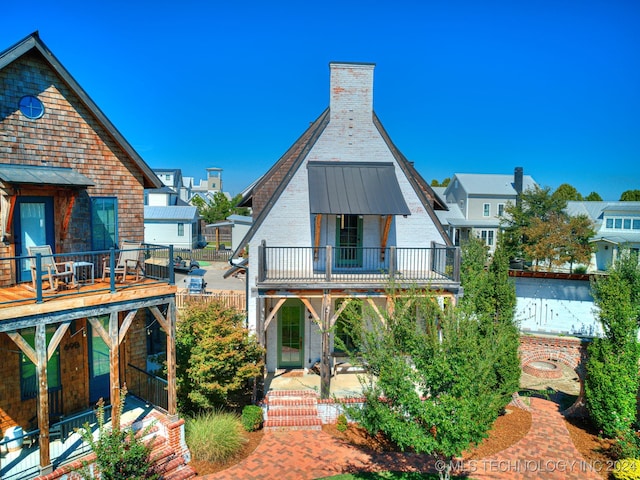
<point>546,452</point>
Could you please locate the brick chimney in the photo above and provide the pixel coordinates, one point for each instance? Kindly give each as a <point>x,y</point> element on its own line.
<point>351,96</point>
<point>517,183</point>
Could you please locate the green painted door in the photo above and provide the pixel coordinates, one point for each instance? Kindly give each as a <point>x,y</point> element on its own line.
<point>291,335</point>
<point>348,241</point>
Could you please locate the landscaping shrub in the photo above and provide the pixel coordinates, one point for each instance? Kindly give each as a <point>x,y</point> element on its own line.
<point>252,418</point>
<point>214,436</point>
<point>120,454</point>
<point>627,469</point>
<point>341,423</point>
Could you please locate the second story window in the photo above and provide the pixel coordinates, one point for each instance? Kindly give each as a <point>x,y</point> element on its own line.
<point>104,222</point>
<point>486,210</point>
<point>501,209</point>
<point>181,229</point>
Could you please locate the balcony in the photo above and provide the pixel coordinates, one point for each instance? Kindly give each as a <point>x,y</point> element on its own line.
<point>87,281</point>
<point>349,267</point>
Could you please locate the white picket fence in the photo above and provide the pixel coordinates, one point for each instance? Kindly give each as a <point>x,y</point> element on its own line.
<point>229,298</point>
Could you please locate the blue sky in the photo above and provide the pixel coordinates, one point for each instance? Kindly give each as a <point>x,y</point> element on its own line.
<point>461,86</point>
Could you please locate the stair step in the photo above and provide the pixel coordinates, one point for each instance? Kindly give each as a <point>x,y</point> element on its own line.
<point>293,423</point>
<point>292,412</point>
<point>184,473</point>
<point>292,393</point>
<point>292,402</point>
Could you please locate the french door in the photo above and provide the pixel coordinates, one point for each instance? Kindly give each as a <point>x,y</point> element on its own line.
<point>32,225</point>
<point>291,335</point>
<point>348,241</point>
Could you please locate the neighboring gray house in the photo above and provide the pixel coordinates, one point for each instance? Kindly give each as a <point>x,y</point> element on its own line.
<point>617,224</point>
<point>339,216</point>
<point>476,201</point>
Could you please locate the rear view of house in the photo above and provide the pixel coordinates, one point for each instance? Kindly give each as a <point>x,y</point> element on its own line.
<point>339,216</point>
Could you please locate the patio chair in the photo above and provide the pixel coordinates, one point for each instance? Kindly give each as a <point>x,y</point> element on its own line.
<point>55,273</point>
<point>128,262</point>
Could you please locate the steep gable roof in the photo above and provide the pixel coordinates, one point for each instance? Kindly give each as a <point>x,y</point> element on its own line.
<point>430,201</point>
<point>33,43</point>
<point>262,196</point>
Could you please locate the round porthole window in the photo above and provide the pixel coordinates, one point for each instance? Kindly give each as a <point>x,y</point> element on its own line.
<point>31,107</point>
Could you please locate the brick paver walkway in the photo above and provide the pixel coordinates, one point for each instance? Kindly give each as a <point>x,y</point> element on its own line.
<point>546,452</point>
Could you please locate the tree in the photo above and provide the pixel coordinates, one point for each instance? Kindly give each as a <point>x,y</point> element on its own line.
<point>490,295</point>
<point>219,207</point>
<point>433,390</point>
<point>442,373</point>
<point>630,196</point>
<point>558,240</point>
<point>593,197</point>
<point>535,203</point>
<point>216,357</point>
<point>443,183</point>
<point>567,193</point>
<point>612,382</point>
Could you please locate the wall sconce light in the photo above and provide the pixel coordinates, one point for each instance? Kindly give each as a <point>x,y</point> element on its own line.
<point>310,314</point>
<point>606,247</point>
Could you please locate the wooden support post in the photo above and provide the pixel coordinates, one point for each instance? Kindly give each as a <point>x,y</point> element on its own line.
<point>114,369</point>
<point>325,363</point>
<point>43,397</point>
<point>316,240</point>
<point>172,406</point>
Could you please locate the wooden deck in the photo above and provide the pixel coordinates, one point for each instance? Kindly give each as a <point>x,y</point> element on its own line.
<point>20,301</point>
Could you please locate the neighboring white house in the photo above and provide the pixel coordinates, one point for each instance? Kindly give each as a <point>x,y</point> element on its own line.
<point>169,220</point>
<point>476,201</point>
<point>340,215</point>
<point>617,225</point>
<point>172,178</point>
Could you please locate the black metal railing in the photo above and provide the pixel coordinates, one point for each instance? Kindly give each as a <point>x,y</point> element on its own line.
<point>62,274</point>
<point>149,387</point>
<point>438,263</point>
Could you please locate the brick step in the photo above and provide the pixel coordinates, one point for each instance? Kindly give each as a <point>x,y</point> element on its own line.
<point>292,393</point>
<point>287,411</point>
<point>293,423</point>
<point>292,410</point>
<point>288,402</point>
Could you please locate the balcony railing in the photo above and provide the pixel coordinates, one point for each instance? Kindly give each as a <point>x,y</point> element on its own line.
<point>150,387</point>
<point>436,264</point>
<point>85,271</point>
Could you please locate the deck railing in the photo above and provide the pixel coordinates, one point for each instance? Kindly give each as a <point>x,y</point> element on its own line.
<point>438,263</point>
<point>151,388</point>
<point>87,268</point>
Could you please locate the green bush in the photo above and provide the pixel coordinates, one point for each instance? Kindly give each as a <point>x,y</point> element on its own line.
<point>120,454</point>
<point>627,469</point>
<point>251,418</point>
<point>627,444</point>
<point>341,423</point>
<point>214,436</point>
